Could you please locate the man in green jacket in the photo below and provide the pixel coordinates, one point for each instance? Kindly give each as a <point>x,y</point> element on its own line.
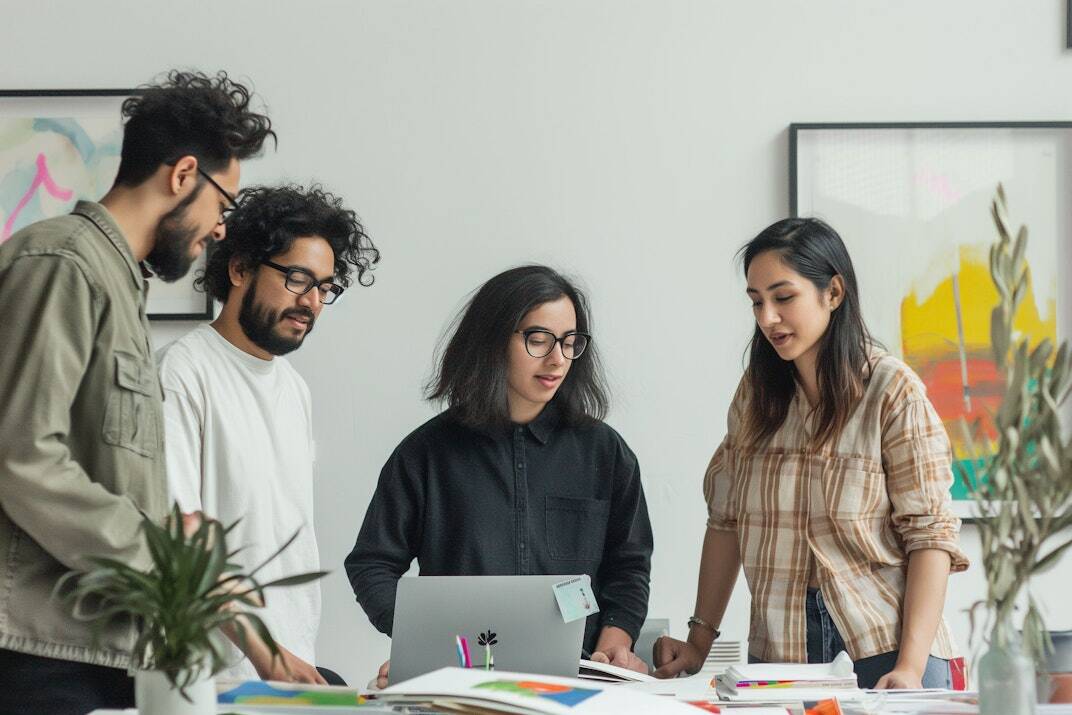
<point>81,425</point>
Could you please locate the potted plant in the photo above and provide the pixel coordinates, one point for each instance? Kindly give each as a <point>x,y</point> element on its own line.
<point>179,609</point>
<point>1023,490</point>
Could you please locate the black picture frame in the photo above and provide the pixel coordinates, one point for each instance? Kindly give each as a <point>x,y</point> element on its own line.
<point>1068,24</point>
<point>158,309</point>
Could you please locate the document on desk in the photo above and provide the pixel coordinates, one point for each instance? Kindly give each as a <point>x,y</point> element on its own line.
<point>260,692</point>
<point>838,673</point>
<point>777,682</point>
<point>591,670</point>
<point>525,694</point>
<point>693,687</point>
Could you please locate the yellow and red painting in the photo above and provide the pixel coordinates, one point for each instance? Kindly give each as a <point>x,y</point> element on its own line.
<point>945,338</point>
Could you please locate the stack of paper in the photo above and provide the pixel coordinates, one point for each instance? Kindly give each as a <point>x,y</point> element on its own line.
<point>773,682</point>
<point>605,672</point>
<point>455,689</point>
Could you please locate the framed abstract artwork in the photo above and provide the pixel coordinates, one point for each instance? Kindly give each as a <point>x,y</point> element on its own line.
<point>912,203</point>
<point>60,146</point>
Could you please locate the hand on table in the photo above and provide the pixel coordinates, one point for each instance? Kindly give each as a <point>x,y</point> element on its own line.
<point>673,657</point>
<point>899,679</point>
<point>287,668</point>
<point>621,656</point>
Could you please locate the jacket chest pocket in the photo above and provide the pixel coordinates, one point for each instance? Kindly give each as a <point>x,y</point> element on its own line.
<point>576,528</point>
<point>131,416</point>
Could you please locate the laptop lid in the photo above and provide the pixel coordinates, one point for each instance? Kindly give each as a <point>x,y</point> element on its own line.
<point>520,610</point>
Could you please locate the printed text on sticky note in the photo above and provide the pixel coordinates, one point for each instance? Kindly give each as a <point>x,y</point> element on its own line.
<point>575,598</point>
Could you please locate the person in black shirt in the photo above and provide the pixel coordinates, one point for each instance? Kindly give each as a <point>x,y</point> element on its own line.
<point>519,475</point>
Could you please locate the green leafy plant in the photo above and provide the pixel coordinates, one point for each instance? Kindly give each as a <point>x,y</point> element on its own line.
<point>1023,491</point>
<point>180,606</point>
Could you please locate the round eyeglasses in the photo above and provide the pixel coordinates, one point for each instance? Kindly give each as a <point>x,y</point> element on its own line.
<point>539,343</point>
<point>301,281</point>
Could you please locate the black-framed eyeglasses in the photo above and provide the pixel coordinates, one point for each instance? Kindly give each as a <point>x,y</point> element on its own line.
<point>539,343</point>
<point>231,199</point>
<point>301,281</point>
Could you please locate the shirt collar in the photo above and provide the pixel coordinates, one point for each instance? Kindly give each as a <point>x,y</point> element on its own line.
<point>107,225</point>
<point>545,423</point>
<point>254,363</point>
<point>540,428</point>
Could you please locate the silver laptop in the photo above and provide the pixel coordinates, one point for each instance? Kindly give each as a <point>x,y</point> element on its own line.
<point>521,612</point>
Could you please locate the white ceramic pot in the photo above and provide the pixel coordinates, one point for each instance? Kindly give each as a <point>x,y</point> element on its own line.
<point>154,695</point>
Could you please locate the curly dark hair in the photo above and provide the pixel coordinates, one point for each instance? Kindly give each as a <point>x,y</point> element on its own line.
<point>189,113</point>
<point>270,218</point>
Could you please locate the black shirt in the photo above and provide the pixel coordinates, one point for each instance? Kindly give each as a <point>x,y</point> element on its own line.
<point>542,498</point>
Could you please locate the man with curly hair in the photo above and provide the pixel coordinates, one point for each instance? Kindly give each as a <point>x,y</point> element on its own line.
<point>81,428</point>
<point>238,416</point>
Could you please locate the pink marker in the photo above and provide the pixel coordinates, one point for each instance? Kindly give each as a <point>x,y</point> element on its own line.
<point>465,652</point>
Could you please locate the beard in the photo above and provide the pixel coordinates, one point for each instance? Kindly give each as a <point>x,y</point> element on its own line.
<point>171,257</point>
<point>260,324</point>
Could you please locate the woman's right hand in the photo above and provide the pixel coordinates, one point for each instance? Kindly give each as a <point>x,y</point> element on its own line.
<point>673,657</point>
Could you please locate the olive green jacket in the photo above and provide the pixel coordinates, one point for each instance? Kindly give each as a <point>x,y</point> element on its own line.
<point>81,426</point>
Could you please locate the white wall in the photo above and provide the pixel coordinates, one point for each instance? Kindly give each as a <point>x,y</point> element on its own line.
<point>634,144</point>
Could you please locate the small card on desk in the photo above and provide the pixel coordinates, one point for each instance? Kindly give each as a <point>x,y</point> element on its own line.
<point>575,598</point>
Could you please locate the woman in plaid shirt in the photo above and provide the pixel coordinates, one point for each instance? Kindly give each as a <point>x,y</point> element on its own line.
<point>831,486</point>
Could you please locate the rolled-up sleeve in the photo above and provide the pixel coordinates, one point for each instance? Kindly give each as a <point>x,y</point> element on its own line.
<point>718,488</point>
<point>916,456</point>
<point>720,478</point>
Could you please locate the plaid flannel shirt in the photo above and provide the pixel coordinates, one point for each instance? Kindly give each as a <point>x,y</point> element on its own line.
<point>850,512</point>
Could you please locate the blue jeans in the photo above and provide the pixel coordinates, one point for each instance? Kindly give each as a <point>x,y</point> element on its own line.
<point>824,642</point>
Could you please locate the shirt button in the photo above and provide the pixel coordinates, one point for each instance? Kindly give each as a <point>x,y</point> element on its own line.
<point>522,545</point>
<point>520,465</point>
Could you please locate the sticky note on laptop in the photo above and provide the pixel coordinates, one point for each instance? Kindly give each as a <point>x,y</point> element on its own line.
<point>575,598</point>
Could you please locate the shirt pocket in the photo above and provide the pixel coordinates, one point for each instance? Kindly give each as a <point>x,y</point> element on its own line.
<point>130,417</point>
<point>854,489</point>
<point>576,527</point>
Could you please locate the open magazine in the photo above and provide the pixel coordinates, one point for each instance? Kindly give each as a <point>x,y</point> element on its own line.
<point>525,694</point>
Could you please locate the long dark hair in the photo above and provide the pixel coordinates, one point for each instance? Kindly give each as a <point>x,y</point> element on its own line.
<point>814,250</point>
<point>470,375</point>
